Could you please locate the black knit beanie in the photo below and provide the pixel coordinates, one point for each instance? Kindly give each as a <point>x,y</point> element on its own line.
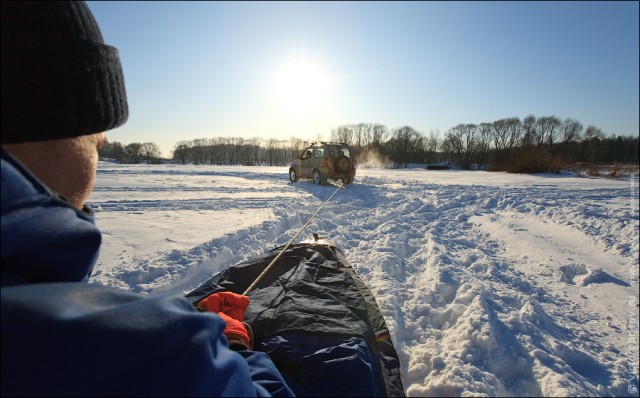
<point>59,79</point>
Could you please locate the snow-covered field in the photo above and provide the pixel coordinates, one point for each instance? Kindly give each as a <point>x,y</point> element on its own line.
<point>491,283</point>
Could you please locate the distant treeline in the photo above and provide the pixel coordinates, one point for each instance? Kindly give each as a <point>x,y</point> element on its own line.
<point>533,144</point>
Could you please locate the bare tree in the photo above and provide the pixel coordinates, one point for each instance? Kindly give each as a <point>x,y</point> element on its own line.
<point>462,140</point>
<point>255,148</point>
<point>360,136</point>
<point>296,146</point>
<point>150,151</point>
<point>216,150</point>
<point>484,143</point>
<point>404,143</point>
<point>224,145</point>
<point>431,146</point>
<point>570,130</point>
<point>113,150</point>
<point>285,153</point>
<point>500,134</point>
<point>529,131</point>
<point>182,151</point>
<point>592,132</point>
<point>505,133</point>
<point>199,150</point>
<point>343,133</point>
<point>272,151</point>
<point>235,145</point>
<point>379,134</point>
<point>592,144</point>
<point>515,131</point>
<point>547,128</point>
<point>134,151</point>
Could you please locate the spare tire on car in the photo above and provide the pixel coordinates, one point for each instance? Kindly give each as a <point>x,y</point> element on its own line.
<point>342,163</point>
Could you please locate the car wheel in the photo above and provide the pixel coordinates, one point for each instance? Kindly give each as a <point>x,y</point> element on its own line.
<point>317,177</point>
<point>293,176</point>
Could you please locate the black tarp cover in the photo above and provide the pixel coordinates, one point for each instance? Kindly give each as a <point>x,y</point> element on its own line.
<point>317,320</point>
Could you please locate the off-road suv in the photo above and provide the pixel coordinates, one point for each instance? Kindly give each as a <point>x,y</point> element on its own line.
<point>324,160</point>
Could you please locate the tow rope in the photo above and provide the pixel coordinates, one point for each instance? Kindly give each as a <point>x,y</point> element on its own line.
<point>263,273</point>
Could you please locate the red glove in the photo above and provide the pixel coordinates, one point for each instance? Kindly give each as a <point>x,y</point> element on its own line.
<point>230,307</point>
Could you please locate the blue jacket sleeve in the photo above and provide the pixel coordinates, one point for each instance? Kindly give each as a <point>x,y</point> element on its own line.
<point>82,339</point>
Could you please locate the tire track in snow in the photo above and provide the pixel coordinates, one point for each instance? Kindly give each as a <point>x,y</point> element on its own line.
<point>455,277</point>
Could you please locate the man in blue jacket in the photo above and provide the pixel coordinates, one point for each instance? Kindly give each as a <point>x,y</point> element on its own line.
<point>62,87</point>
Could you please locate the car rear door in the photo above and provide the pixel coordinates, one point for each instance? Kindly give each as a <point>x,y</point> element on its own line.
<point>305,163</point>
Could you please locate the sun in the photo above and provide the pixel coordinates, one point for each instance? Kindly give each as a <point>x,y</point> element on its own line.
<point>301,85</point>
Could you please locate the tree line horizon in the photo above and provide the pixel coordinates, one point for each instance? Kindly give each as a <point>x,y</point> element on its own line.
<point>544,144</point>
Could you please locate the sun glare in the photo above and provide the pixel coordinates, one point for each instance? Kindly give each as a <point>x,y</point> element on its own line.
<point>300,85</point>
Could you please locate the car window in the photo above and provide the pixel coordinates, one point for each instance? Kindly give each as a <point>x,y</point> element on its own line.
<point>307,154</point>
<point>336,151</point>
<point>319,152</point>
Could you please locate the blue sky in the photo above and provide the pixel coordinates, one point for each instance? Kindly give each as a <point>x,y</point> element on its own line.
<point>299,69</point>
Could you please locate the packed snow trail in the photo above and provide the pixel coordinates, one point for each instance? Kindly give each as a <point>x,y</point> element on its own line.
<point>525,286</point>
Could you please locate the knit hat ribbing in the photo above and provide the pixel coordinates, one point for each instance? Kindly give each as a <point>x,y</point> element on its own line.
<point>59,79</point>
